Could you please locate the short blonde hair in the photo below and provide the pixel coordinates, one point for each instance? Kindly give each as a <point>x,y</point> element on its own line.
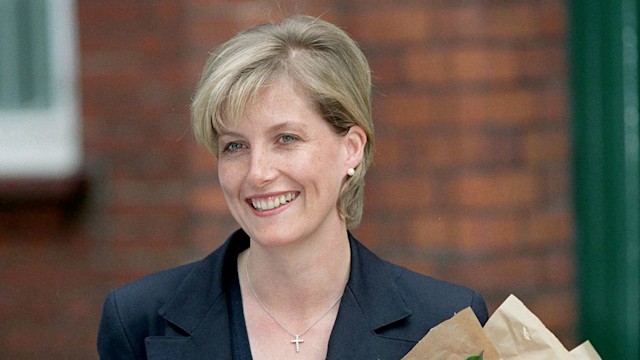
<point>319,58</point>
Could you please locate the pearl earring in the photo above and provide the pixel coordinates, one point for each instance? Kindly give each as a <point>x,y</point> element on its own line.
<point>351,172</point>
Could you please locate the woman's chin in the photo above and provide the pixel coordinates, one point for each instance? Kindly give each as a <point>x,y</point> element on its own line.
<point>274,236</point>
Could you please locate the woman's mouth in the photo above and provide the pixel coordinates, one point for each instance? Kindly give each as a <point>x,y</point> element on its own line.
<point>272,202</point>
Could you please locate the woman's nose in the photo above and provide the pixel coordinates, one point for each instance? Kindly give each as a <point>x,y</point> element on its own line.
<point>261,168</point>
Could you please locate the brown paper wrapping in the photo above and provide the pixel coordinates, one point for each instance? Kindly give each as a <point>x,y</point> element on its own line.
<point>518,334</point>
<point>512,332</point>
<point>457,338</point>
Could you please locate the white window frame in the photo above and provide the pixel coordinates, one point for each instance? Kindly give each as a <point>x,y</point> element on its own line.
<point>46,143</point>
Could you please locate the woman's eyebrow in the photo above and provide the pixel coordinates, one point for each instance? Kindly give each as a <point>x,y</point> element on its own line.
<point>288,125</point>
<point>229,133</point>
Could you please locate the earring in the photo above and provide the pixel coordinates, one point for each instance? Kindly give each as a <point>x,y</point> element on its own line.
<point>351,172</point>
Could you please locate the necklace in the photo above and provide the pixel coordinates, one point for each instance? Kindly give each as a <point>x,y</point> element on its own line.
<point>297,338</point>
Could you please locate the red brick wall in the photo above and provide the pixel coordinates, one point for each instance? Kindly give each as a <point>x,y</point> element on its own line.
<point>470,182</point>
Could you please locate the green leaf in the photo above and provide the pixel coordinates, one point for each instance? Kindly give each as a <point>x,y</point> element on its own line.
<point>477,357</point>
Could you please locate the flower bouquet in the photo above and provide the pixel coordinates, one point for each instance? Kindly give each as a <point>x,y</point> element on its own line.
<point>512,332</point>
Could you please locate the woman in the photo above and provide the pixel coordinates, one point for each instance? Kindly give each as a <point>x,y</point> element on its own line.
<point>286,110</point>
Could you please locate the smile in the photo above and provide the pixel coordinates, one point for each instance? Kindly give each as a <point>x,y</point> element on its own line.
<point>272,202</point>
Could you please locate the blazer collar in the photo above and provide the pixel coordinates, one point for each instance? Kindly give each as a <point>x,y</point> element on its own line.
<point>205,285</point>
<point>373,287</point>
<point>370,283</point>
<point>199,310</point>
<point>372,310</point>
<point>372,302</point>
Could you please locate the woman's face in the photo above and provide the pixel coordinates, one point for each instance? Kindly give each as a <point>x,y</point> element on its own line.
<point>281,168</point>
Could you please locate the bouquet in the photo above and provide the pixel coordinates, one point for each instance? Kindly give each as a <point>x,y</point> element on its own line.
<point>512,332</point>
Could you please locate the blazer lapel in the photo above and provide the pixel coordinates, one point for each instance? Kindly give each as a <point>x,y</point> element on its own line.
<point>211,339</point>
<point>370,322</point>
<point>197,316</point>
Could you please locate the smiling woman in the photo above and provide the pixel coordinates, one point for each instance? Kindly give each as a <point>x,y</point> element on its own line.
<point>286,109</point>
<point>282,147</point>
<point>316,58</point>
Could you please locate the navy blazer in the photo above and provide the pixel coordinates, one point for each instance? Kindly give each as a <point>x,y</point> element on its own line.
<point>182,313</point>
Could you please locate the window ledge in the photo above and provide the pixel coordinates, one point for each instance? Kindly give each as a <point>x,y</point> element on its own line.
<point>42,190</point>
<point>37,209</point>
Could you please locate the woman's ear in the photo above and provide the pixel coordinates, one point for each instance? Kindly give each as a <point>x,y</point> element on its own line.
<point>355,141</point>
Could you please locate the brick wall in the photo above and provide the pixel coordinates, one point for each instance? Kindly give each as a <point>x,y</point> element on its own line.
<point>471,180</point>
<point>470,183</point>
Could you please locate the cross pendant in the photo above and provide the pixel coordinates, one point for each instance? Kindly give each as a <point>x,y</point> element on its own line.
<point>297,341</point>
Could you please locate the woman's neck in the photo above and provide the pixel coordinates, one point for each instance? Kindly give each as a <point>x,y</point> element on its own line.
<point>305,276</point>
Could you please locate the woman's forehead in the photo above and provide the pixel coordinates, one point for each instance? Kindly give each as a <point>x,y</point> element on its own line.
<point>263,98</point>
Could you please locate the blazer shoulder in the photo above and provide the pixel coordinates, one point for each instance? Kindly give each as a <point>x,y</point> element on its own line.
<point>437,299</point>
<point>131,312</point>
<point>141,299</point>
<point>167,303</point>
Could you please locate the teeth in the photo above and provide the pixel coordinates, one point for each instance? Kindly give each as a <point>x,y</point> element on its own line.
<point>272,203</point>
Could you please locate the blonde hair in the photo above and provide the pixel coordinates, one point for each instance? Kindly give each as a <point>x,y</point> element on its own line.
<point>319,58</point>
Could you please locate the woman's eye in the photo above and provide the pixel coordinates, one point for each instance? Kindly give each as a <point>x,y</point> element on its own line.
<point>234,146</point>
<point>286,138</point>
